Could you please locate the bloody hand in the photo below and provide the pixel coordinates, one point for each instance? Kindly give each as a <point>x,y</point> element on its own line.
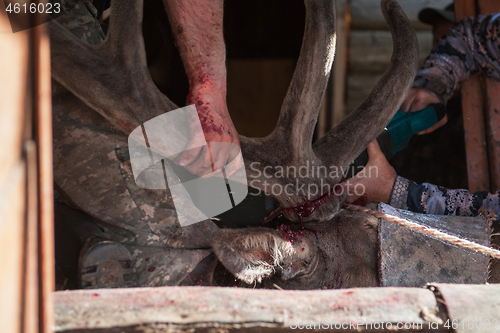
<point>217,128</point>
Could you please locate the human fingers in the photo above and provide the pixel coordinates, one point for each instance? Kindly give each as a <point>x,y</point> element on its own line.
<point>235,160</point>
<point>434,127</point>
<point>202,164</point>
<point>222,157</point>
<point>423,98</point>
<point>409,99</point>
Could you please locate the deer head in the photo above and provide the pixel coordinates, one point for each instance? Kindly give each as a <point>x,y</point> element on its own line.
<point>112,78</point>
<point>338,253</point>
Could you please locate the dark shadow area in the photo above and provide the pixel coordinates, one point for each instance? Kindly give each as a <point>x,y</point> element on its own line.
<point>438,157</point>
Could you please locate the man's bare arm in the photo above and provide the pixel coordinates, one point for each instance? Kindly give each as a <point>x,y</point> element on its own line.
<point>197,26</point>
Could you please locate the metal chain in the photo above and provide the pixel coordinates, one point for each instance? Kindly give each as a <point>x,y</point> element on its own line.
<point>428,231</point>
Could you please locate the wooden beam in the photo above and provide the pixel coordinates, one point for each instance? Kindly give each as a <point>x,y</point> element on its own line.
<point>464,8</point>
<point>473,114</point>
<point>31,278</point>
<point>208,309</point>
<point>492,110</point>
<point>15,102</point>
<point>493,139</point>
<point>43,130</point>
<point>338,106</point>
<point>493,132</point>
<point>475,137</point>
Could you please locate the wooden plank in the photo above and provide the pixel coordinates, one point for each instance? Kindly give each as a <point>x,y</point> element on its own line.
<point>338,105</point>
<point>493,137</point>
<point>189,308</point>
<point>30,285</point>
<point>464,8</point>
<point>473,114</point>
<point>475,137</point>
<point>488,6</point>
<point>472,307</point>
<point>493,132</point>
<point>14,102</point>
<point>12,210</point>
<point>13,72</point>
<point>333,108</point>
<point>43,130</point>
<point>493,110</point>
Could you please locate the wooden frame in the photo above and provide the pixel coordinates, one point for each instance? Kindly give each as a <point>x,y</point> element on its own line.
<point>480,104</point>
<point>26,194</point>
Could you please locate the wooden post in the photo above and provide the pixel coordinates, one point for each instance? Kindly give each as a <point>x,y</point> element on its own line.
<point>338,110</point>
<point>472,107</point>
<point>26,221</point>
<point>492,125</point>
<point>481,112</point>
<point>492,110</point>
<point>481,115</point>
<point>14,122</point>
<point>43,137</point>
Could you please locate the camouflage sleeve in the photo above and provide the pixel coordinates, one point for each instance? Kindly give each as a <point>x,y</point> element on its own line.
<point>427,198</point>
<point>80,17</point>
<point>470,47</point>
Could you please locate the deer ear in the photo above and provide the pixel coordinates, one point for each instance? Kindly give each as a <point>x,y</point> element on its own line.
<point>251,254</point>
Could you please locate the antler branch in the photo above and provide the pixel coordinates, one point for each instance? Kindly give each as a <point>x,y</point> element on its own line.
<point>111,78</point>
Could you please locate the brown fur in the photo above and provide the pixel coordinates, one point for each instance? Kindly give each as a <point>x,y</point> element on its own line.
<point>343,255</point>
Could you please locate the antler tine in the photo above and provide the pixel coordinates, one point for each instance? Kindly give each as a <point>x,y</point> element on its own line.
<point>111,78</point>
<point>301,105</point>
<point>345,142</point>
<point>125,32</point>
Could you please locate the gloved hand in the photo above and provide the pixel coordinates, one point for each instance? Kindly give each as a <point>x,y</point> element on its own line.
<point>401,128</point>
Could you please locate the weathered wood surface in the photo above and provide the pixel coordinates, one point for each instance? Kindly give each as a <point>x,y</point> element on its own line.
<point>45,192</point>
<point>492,111</point>
<point>369,55</point>
<point>475,137</point>
<point>473,307</point>
<point>366,13</point>
<point>480,114</point>
<point>127,310</point>
<point>481,123</point>
<point>203,309</point>
<point>411,259</point>
<point>14,102</point>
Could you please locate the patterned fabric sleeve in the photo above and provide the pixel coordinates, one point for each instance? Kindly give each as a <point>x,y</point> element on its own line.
<point>427,198</point>
<point>470,47</point>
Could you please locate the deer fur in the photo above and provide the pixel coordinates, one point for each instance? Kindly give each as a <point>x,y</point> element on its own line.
<point>340,253</point>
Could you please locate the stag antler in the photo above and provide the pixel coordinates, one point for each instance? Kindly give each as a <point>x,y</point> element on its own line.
<point>290,143</point>
<point>341,145</point>
<point>112,77</point>
<point>121,90</point>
